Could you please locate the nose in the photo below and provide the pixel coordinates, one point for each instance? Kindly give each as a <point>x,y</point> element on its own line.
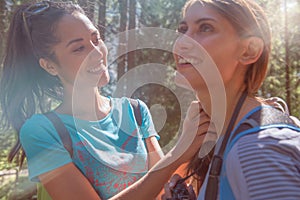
<point>184,43</point>
<point>95,50</point>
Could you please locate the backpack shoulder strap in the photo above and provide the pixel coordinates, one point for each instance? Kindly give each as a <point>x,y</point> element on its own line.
<point>263,118</point>
<point>137,111</point>
<point>61,130</point>
<point>64,133</point>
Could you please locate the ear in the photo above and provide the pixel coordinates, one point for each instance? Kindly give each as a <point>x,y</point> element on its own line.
<point>48,65</point>
<point>253,47</point>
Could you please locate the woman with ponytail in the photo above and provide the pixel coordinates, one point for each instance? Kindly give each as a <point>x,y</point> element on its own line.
<point>55,53</point>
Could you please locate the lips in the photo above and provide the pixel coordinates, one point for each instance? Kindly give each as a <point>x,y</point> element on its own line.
<point>97,69</point>
<point>187,62</point>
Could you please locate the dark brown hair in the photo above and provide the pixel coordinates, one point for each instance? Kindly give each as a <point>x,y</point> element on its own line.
<point>26,87</point>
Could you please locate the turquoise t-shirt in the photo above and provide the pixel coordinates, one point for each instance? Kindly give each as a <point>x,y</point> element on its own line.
<point>110,152</point>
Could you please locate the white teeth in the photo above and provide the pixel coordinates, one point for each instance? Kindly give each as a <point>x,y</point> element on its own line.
<point>187,61</point>
<point>97,69</point>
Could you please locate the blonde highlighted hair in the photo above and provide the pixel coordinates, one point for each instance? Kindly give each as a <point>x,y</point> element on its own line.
<point>248,19</point>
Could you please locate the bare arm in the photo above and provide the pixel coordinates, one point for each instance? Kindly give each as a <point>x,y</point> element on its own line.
<point>154,151</point>
<point>149,186</point>
<point>67,182</point>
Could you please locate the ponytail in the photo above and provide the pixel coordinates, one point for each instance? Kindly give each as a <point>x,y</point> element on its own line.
<point>26,88</point>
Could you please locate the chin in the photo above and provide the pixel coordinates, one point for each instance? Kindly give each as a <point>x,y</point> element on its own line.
<point>181,81</point>
<point>104,80</point>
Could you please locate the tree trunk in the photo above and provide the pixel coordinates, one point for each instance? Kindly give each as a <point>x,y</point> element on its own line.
<point>287,61</point>
<point>101,18</point>
<point>2,29</point>
<point>131,36</point>
<point>122,38</point>
<point>88,7</point>
<point>91,10</point>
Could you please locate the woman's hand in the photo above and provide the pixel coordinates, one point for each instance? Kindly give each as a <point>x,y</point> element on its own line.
<point>175,191</point>
<point>280,104</point>
<point>195,127</point>
<point>277,103</point>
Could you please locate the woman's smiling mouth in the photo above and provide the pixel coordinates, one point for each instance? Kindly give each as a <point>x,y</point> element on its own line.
<point>98,69</point>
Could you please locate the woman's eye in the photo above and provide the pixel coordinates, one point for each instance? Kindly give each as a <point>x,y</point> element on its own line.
<point>81,48</point>
<point>182,29</point>
<point>97,41</point>
<point>206,28</point>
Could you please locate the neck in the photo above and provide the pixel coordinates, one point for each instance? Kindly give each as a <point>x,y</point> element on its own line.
<point>85,103</point>
<point>221,105</point>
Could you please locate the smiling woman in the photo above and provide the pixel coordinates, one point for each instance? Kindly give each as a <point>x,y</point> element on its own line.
<point>250,155</point>
<point>80,54</point>
<point>54,51</point>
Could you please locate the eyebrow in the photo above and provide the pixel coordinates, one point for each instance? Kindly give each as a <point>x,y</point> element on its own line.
<point>81,39</point>
<point>198,21</point>
<point>74,41</point>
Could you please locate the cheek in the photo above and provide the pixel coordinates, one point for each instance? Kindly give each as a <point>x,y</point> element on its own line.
<point>104,50</point>
<point>104,79</point>
<point>105,58</point>
<point>69,69</point>
<point>225,58</point>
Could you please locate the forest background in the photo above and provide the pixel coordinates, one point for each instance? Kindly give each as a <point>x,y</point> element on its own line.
<point>119,16</point>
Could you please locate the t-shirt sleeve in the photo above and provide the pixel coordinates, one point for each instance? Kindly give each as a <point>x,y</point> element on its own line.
<point>147,126</point>
<point>43,147</point>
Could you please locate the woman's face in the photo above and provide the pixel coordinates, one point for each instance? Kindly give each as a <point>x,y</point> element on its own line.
<point>81,54</point>
<point>202,27</point>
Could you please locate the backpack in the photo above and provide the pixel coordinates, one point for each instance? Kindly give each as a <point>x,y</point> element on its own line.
<point>63,133</point>
<point>259,119</point>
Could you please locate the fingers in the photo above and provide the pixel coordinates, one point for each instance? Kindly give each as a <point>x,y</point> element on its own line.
<point>196,118</point>
<point>195,127</point>
<point>204,123</point>
<point>296,120</point>
<point>209,141</point>
<point>193,110</point>
<point>277,103</point>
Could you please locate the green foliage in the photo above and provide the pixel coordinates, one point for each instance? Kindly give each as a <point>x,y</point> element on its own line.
<point>160,13</point>
<point>17,188</point>
<point>7,141</point>
<point>276,82</point>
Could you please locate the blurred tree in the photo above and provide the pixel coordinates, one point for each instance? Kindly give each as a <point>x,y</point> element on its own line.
<point>88,6</point>
<point>102,17</point>
<point>131,34</point>
<point>284,73</point>
<point>123,6</point>
<point>2,27</point>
